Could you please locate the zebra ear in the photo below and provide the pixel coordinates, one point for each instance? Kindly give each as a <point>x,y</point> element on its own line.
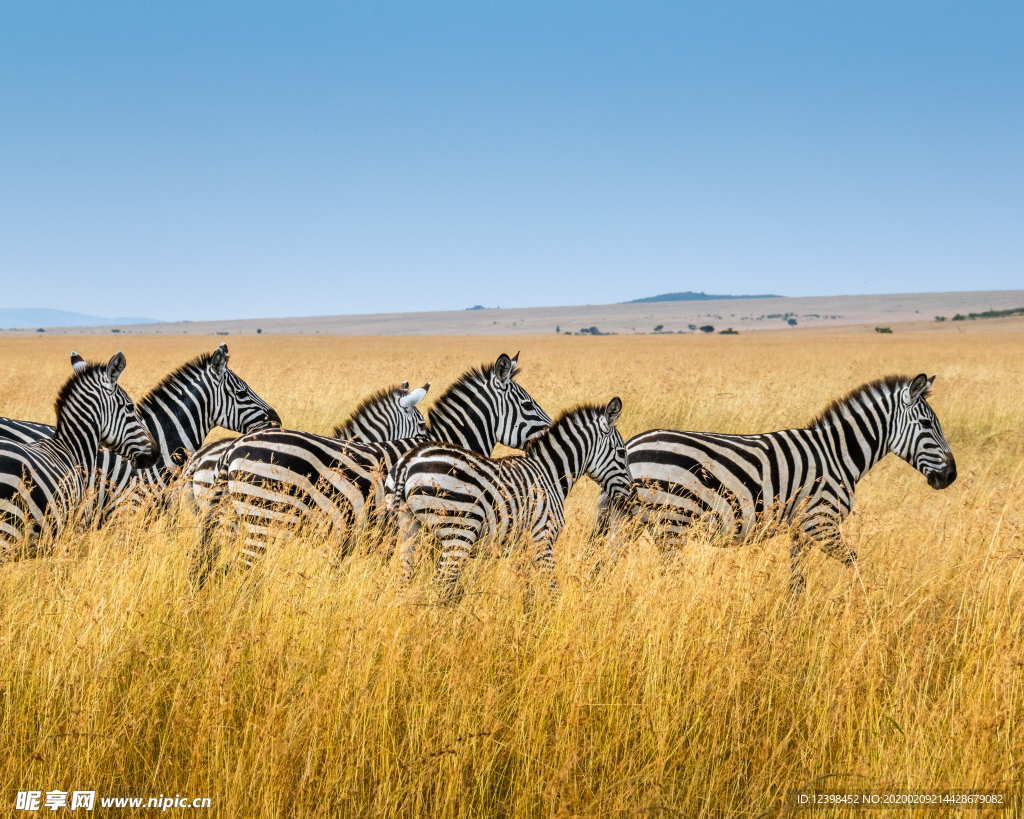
<point>613,410</point>
<point>404,386</point>
<point>78,363</point>
<point>918,388</point>
<point>219,361</point>
<point>224,346</point>
<point>115,367</point>
<point>504,368</point>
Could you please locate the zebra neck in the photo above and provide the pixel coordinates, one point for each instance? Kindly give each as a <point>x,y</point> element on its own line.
<point>856,438</point>
<point>177,418</point>
<point>463,423</point>
<point>77,434</point>
<point>558,459</point>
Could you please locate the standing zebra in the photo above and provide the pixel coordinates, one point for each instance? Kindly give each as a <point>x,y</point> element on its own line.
<point>387,414</point>
<point>462,497</point>
<point>179,413</point>
<point>800,479</point>
<point>43,482</point>
<point>288,477</point>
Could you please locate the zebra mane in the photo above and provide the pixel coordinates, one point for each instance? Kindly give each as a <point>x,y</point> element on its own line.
<point>197,363</point>
<point>890,383</point>
<point>474,375</point>
<point>78,375</point>
<point>564,417</point>
<point>367,402</point>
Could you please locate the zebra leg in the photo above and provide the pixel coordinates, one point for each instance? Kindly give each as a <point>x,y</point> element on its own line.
<point>456,545</point>
<point>824,531</point>
<point>408,532</point>
<point>606,511</point>
<point>617,519</point>
<point>797,559</point>
<point>207,549</point>
<point>544,557</point>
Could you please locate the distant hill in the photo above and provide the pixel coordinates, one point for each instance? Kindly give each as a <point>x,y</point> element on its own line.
<point>690,295</point>
<point>22,317</point>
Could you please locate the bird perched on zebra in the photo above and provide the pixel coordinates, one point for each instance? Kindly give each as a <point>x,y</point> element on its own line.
<point>385,415</point>
<point>287,477</point>
<point>179,413</point>
<point>799,479</point>
<point>43,482</point>
<point>462,497</point>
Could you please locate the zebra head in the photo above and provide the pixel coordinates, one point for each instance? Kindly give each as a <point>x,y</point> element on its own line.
<point>234,405</point>
<point>607,460</point>
<point>387,415</point>
<point>519,417</point>
<point>93,391</point>
<point>916,435</point>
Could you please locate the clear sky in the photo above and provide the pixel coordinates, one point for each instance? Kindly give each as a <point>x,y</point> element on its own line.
<point>221,160</point>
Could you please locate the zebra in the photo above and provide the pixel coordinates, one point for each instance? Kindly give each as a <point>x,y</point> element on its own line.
<point>462,497</point>
<point>288,477</point>
<point>385,415</point>
<point>42,483</point>
<point>179,413</point>
<point>798,480</point>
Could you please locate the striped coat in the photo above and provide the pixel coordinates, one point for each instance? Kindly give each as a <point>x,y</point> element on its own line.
<point>284,478</point>
<point>463,497</point>
<point>179,413</point>
<point>42,483</point>
<point>802,480</point>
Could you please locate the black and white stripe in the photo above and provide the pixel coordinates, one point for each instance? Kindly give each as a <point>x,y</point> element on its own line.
<point>42,483</point>
<point>179,413</point>
<point>284,477</point>
<point>800,479</point>
<point>463,497</point>
<point>386,415</point>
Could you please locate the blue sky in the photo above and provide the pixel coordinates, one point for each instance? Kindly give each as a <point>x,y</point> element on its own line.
<point>222,160</point>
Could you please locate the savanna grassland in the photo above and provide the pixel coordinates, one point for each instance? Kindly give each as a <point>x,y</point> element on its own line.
<point>682,684</point>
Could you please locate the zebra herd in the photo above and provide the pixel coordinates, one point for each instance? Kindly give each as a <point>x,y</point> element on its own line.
<point>390,467</point>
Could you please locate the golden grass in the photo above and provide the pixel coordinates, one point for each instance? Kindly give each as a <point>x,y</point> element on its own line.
<point>664,685</point>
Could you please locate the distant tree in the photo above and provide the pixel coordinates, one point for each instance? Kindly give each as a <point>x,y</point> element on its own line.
<point>691,326</point>
<point>259,330</point>
<point>114,330</point>
<point>659,327</point>
<point>558,328</point>
<point>708,328</point>
<point>791,322</point>
<point>728,332</point>
<point>940,318</point>
<point>40,329</point>
<point>959,317</point>
<point>883,330</point>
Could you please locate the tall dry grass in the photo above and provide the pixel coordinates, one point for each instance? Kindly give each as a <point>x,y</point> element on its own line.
<point>680,684</point>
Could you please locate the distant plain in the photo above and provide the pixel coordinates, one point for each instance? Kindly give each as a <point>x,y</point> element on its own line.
<point>739,314</point>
